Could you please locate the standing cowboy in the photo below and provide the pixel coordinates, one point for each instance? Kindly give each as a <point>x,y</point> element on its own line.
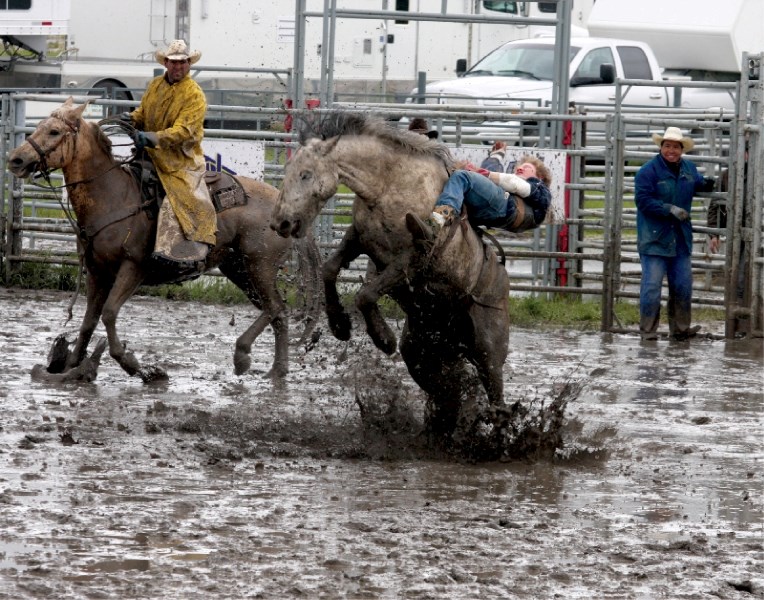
<point>171,123</point>
<point>665,186</point>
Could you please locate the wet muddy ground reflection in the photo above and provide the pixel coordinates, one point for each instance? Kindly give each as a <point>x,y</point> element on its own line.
<point>214,485</point>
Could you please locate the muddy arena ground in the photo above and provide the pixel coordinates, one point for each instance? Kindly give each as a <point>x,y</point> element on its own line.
<point>217,486</point>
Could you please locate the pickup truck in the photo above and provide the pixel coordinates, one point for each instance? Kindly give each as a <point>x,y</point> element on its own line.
<point>519,74</point>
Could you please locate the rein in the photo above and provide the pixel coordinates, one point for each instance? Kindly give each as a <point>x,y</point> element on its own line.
<point>44,172</point>
<point>44,169</point>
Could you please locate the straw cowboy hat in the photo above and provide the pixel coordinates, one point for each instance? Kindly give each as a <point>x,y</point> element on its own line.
<point>419,125</point>
<point>674,134</point>
<point>177,50</point>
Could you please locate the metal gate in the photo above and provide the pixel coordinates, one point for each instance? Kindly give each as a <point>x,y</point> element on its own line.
<point>591,253</point>
<point>734,144</point>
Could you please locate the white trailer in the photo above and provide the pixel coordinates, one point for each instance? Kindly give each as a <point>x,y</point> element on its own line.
<point>28,25</point>
<point>702,39</point>
<point>110,44</point>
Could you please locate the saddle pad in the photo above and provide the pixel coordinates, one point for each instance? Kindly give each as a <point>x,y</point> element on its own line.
<point>225,190</point>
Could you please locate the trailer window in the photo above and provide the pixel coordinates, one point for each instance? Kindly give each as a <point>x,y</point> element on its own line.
<point>548,7</point>
<point>504,6</point>
<point>15,4</point>
<point>635,63</point>
<point>402,6</point>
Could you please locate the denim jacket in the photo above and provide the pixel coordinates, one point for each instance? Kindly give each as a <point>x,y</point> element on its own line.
<point>657,188</point>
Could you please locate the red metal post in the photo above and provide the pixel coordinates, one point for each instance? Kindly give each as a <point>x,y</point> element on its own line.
<point>563,234</point>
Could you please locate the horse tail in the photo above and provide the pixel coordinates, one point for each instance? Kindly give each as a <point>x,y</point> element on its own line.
<point>309,284</point>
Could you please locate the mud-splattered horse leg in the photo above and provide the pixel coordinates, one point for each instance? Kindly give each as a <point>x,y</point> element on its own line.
<point>96,297</point>
<point>256,276</point>
<point>274,313</point>
<point>241,357</point>
<point>491,344</point>
<point>127,282</point>
<point>348,250</point>
<point>368,297</point>
<point>438,372</point>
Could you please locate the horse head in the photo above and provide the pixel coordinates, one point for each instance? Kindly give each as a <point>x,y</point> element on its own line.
<point>51,145</point>
<point>311,177</point>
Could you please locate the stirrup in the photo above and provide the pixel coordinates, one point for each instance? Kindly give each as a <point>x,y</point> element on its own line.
<point>178,265</point>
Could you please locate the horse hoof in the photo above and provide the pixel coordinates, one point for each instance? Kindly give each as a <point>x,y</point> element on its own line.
<point>276,373</point>
<point>339,323</point>
<point>86,372</point>
<point>58,355</point>
<point>153,374</point>
<point>241,363</point>
<point>388,346</point>
<point>41,373</point>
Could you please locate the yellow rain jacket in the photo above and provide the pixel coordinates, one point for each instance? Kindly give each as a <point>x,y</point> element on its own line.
<point>176,114</point>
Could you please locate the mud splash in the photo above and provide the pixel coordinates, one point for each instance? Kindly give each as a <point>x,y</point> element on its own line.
<point>212,485</point>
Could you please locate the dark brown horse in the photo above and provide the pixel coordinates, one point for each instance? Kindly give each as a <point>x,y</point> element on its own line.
<point>453,291</point>
<point>117,229</point>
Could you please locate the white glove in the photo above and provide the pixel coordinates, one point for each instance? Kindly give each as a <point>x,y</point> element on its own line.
<point>679,213</point>
<point>514,184</point>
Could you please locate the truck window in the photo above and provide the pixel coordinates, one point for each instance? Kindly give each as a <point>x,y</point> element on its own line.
<point>590,65</point>
<point>548,7</point>
<point>15,4</point>
<point>635,63</point>
<point>527,60</point>
<point>504,6</point>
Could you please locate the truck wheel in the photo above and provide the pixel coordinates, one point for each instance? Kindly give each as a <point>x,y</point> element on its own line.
<point>114,90</point>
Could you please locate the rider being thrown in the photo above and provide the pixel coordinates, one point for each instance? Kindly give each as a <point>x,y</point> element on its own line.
<point>170,121</point>
<point>515,201</point>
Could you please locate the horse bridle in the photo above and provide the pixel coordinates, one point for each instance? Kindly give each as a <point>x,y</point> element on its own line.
<point>43,154</point>
<point>43,167</point>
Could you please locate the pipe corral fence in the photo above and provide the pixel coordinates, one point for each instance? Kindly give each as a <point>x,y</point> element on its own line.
<point>590,252</point>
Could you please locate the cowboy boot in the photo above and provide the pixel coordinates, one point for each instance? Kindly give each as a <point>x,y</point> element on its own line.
<point>441,216</point>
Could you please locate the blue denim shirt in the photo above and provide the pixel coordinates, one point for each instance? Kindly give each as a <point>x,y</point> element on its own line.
<point>657,188</point>
<point>539,199</point>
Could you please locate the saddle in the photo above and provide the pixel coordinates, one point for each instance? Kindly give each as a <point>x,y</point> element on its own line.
<point>225,189</point>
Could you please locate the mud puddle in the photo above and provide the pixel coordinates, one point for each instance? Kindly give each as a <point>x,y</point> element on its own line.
<point>213,485</point>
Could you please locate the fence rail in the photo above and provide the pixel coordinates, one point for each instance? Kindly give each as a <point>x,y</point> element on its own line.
<point>603,153</point>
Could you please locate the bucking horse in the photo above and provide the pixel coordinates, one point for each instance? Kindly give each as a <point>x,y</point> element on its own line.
<point>453,288</point>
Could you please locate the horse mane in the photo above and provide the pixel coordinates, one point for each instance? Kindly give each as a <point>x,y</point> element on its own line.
<point>103,141</point>
<point>338,123</point>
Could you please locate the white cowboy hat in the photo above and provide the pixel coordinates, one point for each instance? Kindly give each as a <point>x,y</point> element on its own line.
<point>177,50</point>
<point>674,134</point>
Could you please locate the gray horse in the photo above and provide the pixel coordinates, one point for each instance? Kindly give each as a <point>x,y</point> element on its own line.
<point>453,289</point>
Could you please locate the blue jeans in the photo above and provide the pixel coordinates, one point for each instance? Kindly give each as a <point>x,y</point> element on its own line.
<point>678,270</point>
<point>487,203</point>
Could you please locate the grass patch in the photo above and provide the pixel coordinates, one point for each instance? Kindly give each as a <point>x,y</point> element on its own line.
<point>557,312</point>
<point>574,313</point>
<point>207,290</point>
<point>44,276</point>
<point>560,311</point>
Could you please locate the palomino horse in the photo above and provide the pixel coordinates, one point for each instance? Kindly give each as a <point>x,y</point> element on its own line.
<point>117,229</point>
<point>454,293</point>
